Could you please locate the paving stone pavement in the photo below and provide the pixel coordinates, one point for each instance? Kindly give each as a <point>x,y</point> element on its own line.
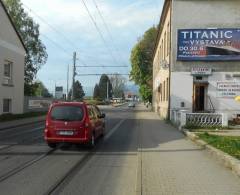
<point>171,164</point>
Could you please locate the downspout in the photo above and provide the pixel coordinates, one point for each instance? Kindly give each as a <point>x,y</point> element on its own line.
<point>170,61</point>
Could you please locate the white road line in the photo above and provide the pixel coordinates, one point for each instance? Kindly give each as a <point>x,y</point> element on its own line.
<point>114,129</point>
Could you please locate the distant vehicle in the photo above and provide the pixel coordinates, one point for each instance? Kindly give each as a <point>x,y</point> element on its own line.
<point>131,104</point>
<point>73,122</point>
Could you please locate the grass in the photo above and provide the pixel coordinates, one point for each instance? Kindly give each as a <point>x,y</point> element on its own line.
<point>228,144</point>
<point>210,128</point>
<point>10,117</point>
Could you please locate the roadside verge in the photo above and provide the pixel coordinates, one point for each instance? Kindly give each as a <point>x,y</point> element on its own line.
<point>226,159</point>
<point>21,122</point>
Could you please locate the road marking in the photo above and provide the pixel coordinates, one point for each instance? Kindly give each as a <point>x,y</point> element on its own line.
<point>114,129</point>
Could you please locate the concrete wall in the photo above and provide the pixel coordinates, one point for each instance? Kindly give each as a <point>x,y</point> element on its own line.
<point>181,90</point>
<point>37,104</point>
<point>203,14</point>
<point>12,50</point>
<point>223,104</point>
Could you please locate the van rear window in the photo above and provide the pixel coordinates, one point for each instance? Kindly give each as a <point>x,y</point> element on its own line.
<point>67,113</point>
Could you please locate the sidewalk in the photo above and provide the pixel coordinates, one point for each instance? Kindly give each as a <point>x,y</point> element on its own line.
<point>21,122</point>
<point>171,164</point>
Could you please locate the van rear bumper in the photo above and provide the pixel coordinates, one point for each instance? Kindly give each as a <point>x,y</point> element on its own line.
<point>65,139</point>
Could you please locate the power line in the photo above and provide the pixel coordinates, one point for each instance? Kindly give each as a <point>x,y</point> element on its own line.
<point>107,29</point>
<point>69,41</point>
<point>103,66</point>
<point>99,31</point>
<point>111,74</point>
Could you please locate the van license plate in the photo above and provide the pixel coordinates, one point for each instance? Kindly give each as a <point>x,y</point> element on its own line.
<point>65,132</point>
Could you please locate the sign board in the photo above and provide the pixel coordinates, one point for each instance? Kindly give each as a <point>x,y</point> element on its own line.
<point>58,92</point>
<point>228,89</point>
<point>208,44</point>
<point>33,104</point>
<point>201,71</point>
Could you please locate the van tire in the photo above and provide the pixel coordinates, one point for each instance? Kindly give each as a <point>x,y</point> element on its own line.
<point>52,145</point>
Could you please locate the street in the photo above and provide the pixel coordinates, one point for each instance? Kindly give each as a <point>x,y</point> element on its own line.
<point>140,154</point>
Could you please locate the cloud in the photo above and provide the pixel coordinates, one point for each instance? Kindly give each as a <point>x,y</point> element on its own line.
<point>126,19</point>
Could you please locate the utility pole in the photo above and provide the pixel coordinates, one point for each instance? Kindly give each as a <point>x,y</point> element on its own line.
<point>67,81</point>
<point>74,72</point>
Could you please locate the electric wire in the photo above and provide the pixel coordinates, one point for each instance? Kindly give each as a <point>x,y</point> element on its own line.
<point>99,32</point>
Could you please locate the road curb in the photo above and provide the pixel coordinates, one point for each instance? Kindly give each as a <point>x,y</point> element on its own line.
<point>227,160</point>
<point>118,105</point>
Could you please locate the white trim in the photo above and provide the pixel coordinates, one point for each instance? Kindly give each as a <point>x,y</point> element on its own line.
<point>12,47</point>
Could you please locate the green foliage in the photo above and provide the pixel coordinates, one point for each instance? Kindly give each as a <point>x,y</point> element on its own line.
<point>78,91</point>
<point>42,90</point>
<point>146,93</point>
<point>10,117</point>
<point>96,92</point>
<point>141,60</point>
<point>103,87</point>
<point>228,144</point>
<point>29,31</point>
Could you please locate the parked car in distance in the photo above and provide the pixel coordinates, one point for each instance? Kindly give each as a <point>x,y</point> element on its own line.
<point>131,104</point>
<point>73,122</point>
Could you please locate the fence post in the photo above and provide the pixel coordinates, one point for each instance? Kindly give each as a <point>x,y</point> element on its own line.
<point>183,119</point>
<point>224,120</point>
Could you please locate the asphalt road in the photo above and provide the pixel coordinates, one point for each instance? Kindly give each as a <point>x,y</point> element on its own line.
<point>128,160</point>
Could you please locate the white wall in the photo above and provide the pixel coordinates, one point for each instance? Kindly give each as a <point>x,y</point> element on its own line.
<point>12,50</point>
<point>221,104</point>
<point>181,90</point>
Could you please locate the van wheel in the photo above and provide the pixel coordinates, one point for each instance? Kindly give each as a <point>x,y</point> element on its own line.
<point>103,131</point>
<point>52,145</point>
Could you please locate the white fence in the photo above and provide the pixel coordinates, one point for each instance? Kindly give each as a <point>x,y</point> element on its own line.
<point>184,118</point>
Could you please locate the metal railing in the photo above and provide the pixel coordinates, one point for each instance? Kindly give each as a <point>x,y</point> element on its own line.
<point>204,119</point>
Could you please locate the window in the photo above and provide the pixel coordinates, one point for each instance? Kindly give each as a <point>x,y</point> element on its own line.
<point>67,113</point>
<point>168,39</point>
<point>7,73</point>
<point>164,91</point>
<point>7,104</point>
<point>167,94</point>
<point>165,46</point>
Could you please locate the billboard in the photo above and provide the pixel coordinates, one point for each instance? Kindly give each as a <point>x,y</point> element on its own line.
<point>208,44</point>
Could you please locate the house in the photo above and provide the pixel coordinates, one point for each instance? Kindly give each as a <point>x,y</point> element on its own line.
<point>12,59</point>
<point>196,62</point>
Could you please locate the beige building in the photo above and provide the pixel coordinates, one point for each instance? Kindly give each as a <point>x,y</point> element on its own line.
<point>196,64</point>
<point>161,62</point>
<point>12,59</point>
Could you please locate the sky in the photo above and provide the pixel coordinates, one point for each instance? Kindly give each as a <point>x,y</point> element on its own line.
<point>65,27</point>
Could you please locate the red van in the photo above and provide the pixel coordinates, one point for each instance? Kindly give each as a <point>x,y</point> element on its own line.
<point>73,122</point>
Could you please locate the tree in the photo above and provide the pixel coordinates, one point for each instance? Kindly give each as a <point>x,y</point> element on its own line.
<point>96,92</point>
<point>42,90</point>
<point>36,51</point>
<point>78,91</point>
<point>118,84</point>
<point>103,83</point>
<point>141,61</point>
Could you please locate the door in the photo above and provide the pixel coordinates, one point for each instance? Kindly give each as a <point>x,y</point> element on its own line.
<point>199,97</point>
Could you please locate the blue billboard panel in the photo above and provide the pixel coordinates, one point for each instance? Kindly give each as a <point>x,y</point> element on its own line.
<point>208,44</point>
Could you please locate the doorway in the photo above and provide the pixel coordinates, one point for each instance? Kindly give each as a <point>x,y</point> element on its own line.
<point>199,91</point>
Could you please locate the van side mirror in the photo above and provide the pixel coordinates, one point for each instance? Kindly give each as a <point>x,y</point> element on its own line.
<point>103,115</point>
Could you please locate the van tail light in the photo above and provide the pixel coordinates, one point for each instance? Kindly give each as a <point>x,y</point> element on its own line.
<point>46,123</point>
<point>87,125</point>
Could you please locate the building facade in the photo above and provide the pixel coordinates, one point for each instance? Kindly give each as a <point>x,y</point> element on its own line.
<point>204,61</point>
<point>12,59</point>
